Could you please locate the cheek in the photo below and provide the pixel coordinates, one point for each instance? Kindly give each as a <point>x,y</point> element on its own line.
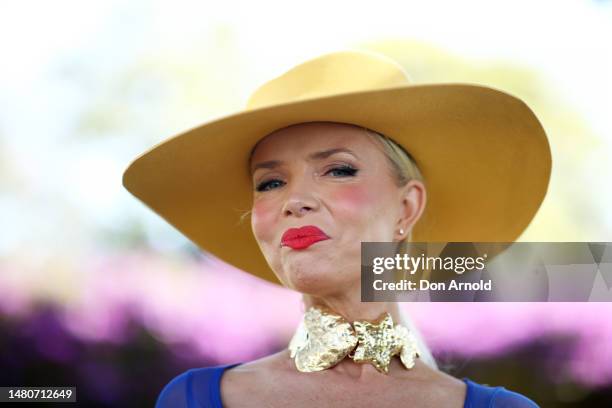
<point>354,200</point>
<point>262,220</point>
<point>362,210</point>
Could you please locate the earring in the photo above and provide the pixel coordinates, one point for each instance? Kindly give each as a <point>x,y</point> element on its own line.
<point>401,231</point>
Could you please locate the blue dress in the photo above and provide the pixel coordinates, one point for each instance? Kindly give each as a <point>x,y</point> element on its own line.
<point>200,388</point>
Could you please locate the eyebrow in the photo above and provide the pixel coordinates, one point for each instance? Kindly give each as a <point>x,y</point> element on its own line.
<point>323,154</point>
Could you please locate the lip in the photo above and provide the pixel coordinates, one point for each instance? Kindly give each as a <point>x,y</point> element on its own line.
<point>303,237</point>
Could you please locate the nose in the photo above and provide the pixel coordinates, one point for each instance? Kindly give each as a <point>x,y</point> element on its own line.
<point>300,199</point>
<point>297,208</point>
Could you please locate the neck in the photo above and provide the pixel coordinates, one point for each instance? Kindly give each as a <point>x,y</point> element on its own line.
<point>351,308</point>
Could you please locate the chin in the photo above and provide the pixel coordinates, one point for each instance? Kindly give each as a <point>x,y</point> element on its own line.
<point>309,279</point>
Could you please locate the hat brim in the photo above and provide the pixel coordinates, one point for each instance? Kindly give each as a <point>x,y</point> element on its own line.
<point>483,153</point>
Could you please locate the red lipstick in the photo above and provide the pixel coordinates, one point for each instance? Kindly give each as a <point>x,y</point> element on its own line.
<point>300,238</point>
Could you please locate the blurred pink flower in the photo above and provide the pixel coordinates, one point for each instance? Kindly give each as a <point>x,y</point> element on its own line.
<point>227,315</point>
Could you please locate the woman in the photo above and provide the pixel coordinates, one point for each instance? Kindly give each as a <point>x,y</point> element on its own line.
<point>339,150</point>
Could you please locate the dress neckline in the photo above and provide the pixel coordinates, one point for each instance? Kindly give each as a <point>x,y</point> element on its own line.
<point>468,394</point>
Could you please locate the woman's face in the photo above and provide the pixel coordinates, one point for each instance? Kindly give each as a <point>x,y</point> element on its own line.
<point>350,195</point>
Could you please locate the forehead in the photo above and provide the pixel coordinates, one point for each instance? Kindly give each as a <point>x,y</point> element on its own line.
<point>307,137</point>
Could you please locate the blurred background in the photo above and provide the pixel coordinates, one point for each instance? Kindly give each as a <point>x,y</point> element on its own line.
<point>97,291</point>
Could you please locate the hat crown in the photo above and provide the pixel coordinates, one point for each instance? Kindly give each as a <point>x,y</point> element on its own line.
<point>331,74</point>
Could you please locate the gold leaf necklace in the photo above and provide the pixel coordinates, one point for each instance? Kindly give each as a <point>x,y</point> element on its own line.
<point>324,338</point>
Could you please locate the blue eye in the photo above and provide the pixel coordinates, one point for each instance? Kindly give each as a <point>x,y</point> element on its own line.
<point>263,186</point>
<point>346,171</point>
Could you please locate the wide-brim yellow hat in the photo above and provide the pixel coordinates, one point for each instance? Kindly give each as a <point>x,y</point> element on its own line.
<point>483,154</point>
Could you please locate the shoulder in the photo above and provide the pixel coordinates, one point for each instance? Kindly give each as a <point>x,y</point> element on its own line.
<point>194,387</point>
<point>255,381</point>
<point>479,395</point>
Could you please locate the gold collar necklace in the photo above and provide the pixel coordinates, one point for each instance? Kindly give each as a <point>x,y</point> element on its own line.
<point>324,338</point>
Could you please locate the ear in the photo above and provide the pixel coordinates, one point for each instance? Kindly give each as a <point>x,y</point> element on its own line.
<point>413,198</point>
